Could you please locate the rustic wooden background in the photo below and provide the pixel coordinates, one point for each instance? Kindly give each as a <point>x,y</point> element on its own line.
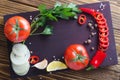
<point>16,6</point>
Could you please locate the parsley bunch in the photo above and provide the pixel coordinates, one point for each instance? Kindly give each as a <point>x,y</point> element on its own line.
<point>63,11</point>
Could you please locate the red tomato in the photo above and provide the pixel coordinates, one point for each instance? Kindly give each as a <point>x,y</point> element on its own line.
<point>76,57</point>
<point>17,29</point>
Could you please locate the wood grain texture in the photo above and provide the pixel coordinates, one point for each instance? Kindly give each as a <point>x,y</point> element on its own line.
<point>17,6</point>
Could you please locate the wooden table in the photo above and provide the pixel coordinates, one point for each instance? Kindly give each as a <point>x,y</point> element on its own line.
<point>16,6</point>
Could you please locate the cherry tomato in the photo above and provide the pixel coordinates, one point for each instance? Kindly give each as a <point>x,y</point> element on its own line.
<point>76,57</point>
<point>34,59</point>
<point>82,19</point>
<point>17,29</point>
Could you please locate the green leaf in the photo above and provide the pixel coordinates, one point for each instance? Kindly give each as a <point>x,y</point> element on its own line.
<point>51,17</point>
<point>48,30</point>
<point>71,5</point>
<point>67,9</point>
<point>57,4</point>
<point>42,8</point>
<point>76,10</point>
<point>74,7</point>
<point>68,14</point>
<point>64,6</point>
<point>63,11</point>
<point>64,17</point>
<point>75,17</point>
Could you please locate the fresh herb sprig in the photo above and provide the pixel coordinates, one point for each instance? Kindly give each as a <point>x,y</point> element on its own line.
<point>63,11</point>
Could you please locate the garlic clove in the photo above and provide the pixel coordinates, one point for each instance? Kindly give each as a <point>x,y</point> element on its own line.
<point>41,65</point>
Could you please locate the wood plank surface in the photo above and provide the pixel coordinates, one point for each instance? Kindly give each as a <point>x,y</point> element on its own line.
<point>17,6</point>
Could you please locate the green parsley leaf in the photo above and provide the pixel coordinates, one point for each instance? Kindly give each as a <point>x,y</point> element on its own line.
<point>42,8</point>
<point>51,17</point>
<point>48,30</point>
<point>57,4</point>
<point>63,11</point>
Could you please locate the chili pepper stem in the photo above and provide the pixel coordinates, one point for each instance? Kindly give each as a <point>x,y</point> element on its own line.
<point>90,68</point>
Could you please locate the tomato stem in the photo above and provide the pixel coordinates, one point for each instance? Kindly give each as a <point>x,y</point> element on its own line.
<point>90,68</point>
<point>78,57</point>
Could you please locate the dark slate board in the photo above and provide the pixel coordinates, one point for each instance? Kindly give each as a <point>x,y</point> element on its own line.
<point>66,32</point>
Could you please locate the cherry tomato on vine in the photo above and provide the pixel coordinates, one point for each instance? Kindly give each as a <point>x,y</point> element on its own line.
<point>17,29</point>
<point>76,57</point>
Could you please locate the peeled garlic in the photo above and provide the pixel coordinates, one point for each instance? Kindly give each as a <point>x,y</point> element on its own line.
<point>41,65</point>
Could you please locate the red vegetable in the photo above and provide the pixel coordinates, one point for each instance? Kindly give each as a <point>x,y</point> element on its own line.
<point>104,45</point>
<point>98,16</point>
<point>102,48</point>
<point>88,10</point>
<point>103,34</point>
<point>105,29</point>
<point>102,25</point>
<point>17,29</point>
<point>97,60</point>
<point>103,40</point>
<point>103,21</point>
<point>103,37</point>
<point>34,59</point>
<point>81,19</point>
<point>76,57</point>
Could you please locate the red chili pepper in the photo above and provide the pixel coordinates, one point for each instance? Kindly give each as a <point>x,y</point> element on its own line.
<point>100,55</point>
<point>88,10</point>
<point>98,16</point>
<point>103,34</point>
<point>102,48</point>
<point>105,29</point>
<point>81,19</point>
<point>103,40</point>
<point>103,21</point>
<point>102,25</point>
<point>97,60</point>
<point>104,45</point>
<point>34,59</point>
